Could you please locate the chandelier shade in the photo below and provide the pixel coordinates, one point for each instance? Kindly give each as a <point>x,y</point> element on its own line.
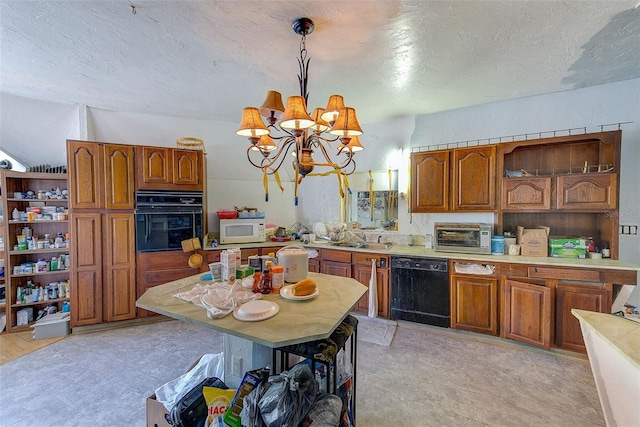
<point>295,115</point>
<point>355,145</point>
<point>265,144</point>
<point>346,125</point>
<point>320,125</point>
<point>251,124</point>
<point>272,105</point>
<point>276,131</point>
<point>335,104</point>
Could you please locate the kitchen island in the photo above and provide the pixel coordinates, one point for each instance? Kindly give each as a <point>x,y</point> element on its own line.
<point>248,345</point>
<point>613,345</point>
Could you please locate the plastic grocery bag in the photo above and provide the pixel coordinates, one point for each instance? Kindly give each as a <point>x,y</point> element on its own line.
<point>218,298</point>
<point>282,401</point>
<point>373,291</point>
<point>209,365</point>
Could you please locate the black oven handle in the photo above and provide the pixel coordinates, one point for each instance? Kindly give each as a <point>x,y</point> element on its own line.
<point>147,233</point>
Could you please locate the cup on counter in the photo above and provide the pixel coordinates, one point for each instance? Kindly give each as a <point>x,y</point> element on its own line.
<point>312,237</point>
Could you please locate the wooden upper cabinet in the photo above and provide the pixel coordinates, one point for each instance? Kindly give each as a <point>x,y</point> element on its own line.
<point>118,177</point>
<point>474,178</point>
<point>595,191</point>
<point>84,160</point>
<point>186,167</point>
<point>430,181</point>
<point>527,193</point>
<point>100,175</point>
<point>154,166</point>
<point>161,168</point>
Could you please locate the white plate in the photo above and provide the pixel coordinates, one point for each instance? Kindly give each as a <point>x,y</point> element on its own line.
<point>256,310</point>
<point>320,229</point>
<point>287,293</point>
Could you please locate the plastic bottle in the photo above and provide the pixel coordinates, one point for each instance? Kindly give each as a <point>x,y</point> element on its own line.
<point>606,251</point>
<point>54,264</point>
<point>15,215</point>
<point>277,278</point>
<point>59,242</point>
<point>410,240</point>
<point>591,245</point>
<point>257,282</point>
<point>41,265</point>
<point>265,287</point>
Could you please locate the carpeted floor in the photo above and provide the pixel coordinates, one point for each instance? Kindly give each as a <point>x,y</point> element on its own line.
<point>426,377</point>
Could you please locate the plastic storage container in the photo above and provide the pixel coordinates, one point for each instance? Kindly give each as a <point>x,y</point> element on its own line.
<point>497,245</point>
<point>277,278</point>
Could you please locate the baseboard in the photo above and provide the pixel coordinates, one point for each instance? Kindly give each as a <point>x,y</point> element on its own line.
<point>121,324</point>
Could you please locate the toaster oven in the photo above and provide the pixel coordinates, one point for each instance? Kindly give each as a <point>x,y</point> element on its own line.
<point>463,237</point>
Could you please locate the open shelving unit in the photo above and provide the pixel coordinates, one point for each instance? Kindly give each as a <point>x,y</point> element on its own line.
<point>18,184</point>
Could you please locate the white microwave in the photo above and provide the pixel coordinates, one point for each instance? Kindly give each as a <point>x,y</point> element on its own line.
<point>242,231</point>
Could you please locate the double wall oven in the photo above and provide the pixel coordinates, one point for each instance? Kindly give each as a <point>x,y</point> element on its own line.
<point>165,218</point>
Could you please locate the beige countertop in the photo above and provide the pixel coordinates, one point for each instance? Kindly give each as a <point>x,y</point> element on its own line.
<point>421,251</point>
<point>620,333</point>
<point>296,322</point>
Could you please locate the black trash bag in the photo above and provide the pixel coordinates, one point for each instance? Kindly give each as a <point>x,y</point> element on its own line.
<point>192,410</point>
<point>282,401</point>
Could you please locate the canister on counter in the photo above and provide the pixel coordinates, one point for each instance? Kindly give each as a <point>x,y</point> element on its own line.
<point>255,262</point>
<point>497,245</point>
<point>277,278</point>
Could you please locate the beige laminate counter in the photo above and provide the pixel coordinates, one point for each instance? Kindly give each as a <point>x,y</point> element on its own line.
<point>613,346</point>
<point>296,322</point>
<point>421,251</point>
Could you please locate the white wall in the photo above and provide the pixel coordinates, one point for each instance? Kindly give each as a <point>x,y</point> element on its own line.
<point>35,131</point>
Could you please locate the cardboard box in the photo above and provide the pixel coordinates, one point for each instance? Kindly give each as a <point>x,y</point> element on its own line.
<point>157,414</point>
<point>567,247</point>
<point>250,381</point>
<point>24,316</point>
<point>533,241</point>
<point>51,325</point>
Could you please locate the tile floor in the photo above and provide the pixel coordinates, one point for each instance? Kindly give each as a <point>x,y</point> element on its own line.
<point>426,377</point>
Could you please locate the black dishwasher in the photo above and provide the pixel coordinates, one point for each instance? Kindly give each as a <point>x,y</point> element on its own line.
<point>420,290</point>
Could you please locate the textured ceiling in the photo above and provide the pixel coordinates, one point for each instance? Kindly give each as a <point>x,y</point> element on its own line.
<point>209,59</point>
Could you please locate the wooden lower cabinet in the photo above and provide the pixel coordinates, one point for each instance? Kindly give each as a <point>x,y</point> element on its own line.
<point>474,303</point>
<point>362,273</point>
<point>119,267</point>
<point>583,297</point>
<point>527,311</point>
<point>335,262</point>
<point>158,268</point>
<point>103,268</point>
<point>86,269</point>
<point>314,265</point>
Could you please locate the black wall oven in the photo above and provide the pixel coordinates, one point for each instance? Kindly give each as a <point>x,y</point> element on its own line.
<point>165,218</point>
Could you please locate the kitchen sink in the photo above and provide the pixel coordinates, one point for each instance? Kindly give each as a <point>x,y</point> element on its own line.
<point>366,245</point>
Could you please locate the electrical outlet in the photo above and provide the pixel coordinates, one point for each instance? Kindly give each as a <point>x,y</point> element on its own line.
<point>629,229</point>
<point>236,366</point>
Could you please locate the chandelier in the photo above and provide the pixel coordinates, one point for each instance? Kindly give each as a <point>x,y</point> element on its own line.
<point>331,133</point>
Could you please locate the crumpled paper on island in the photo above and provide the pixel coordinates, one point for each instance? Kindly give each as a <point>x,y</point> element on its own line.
<point>218,298</point>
